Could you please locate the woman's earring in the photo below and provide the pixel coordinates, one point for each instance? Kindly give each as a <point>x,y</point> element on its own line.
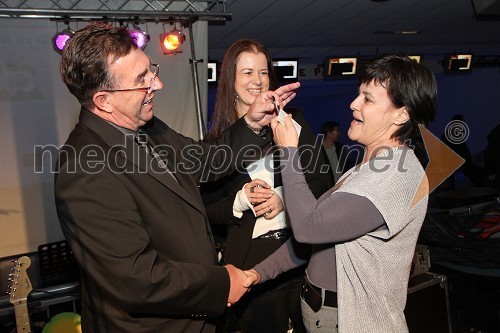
<point>235,99</point>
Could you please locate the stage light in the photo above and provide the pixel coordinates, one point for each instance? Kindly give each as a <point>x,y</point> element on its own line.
<point>341,67</point>
<point>61,38</point>
<point>458,63</point>
<point>141,37</point>
<point>171,42</point>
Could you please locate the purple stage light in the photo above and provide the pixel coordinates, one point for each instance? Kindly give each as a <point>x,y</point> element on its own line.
<point>141,38</point>
<point>61,38</point>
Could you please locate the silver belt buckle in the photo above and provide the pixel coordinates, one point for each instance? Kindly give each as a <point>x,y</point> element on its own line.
<point>279,234</point>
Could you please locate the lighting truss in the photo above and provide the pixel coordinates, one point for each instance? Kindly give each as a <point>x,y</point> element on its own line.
<point>126,11</point>
<point>116,10</point>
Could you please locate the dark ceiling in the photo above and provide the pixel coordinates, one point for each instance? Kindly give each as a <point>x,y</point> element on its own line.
<point>312,30</point>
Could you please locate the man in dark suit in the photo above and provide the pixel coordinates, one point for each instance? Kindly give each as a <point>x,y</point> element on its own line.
<point>127,196</point>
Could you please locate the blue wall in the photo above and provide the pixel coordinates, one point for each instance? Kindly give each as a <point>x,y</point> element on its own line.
<point>476,95</point>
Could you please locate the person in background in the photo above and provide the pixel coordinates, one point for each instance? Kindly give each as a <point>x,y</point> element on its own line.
<point>364,230</point>
<point>492,157</point>
<point>250,203</point>
<point>132,216</point>
<point>476,174</point>
<point>333,148</point>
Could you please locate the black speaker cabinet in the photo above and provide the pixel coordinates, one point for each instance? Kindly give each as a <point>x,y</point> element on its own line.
<point>427,307</point>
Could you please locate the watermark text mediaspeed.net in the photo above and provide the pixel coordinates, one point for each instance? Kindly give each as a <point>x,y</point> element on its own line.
<point>193,159</point>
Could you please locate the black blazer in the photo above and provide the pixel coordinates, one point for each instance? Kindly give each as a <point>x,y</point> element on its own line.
<point>219,198</point>
<point>141,239</point>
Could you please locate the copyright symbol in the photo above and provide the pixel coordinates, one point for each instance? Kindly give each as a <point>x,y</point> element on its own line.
<point>456,132</point>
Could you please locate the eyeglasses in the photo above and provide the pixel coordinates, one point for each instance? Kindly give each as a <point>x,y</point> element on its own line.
<point>155,69</point>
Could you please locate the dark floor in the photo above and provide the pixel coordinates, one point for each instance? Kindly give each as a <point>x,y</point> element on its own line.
<point>472,268</point>
<point>474,300</point>
<point>447,300</point>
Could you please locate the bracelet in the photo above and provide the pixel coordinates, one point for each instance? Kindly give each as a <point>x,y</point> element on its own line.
<point>255,129</point>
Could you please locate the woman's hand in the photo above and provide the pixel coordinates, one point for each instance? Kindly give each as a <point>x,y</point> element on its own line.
<point>262,109</point>
<point>253,278</point>
<point>270,208</point>
<point>257,191</point>
<point>285,135</point>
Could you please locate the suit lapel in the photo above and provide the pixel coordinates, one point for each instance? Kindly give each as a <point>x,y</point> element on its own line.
<point>188,186</point>
<point>137,156</point>
<point>185,181</point>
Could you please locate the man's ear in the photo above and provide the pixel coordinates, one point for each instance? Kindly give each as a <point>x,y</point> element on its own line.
<point>401,116</point>
<point>102,102</point>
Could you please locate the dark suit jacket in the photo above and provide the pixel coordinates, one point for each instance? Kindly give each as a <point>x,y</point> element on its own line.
<point>142,240</point>
<point>239,234</point>
<point>345,161</point>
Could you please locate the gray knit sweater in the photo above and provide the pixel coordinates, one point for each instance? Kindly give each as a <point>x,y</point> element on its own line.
<point>372,266</point>
<point>373,270</point>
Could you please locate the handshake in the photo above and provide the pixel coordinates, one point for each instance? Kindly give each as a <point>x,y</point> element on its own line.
<point>240,282</point>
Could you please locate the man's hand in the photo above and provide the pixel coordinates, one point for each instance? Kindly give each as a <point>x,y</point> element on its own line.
<point>285,134</point>
<point>262,109</point>
<point>236,279</point>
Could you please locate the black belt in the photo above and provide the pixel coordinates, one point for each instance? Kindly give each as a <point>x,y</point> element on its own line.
<point>312,296</point>
<point>276,234</point>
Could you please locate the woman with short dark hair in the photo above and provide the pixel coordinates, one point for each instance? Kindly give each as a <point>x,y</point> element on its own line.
<point>364,230</point>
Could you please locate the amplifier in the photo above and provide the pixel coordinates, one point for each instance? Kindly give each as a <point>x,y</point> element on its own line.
<point>421,260</point>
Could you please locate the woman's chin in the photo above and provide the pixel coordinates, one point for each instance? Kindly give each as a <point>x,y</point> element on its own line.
<point>351,134</point>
